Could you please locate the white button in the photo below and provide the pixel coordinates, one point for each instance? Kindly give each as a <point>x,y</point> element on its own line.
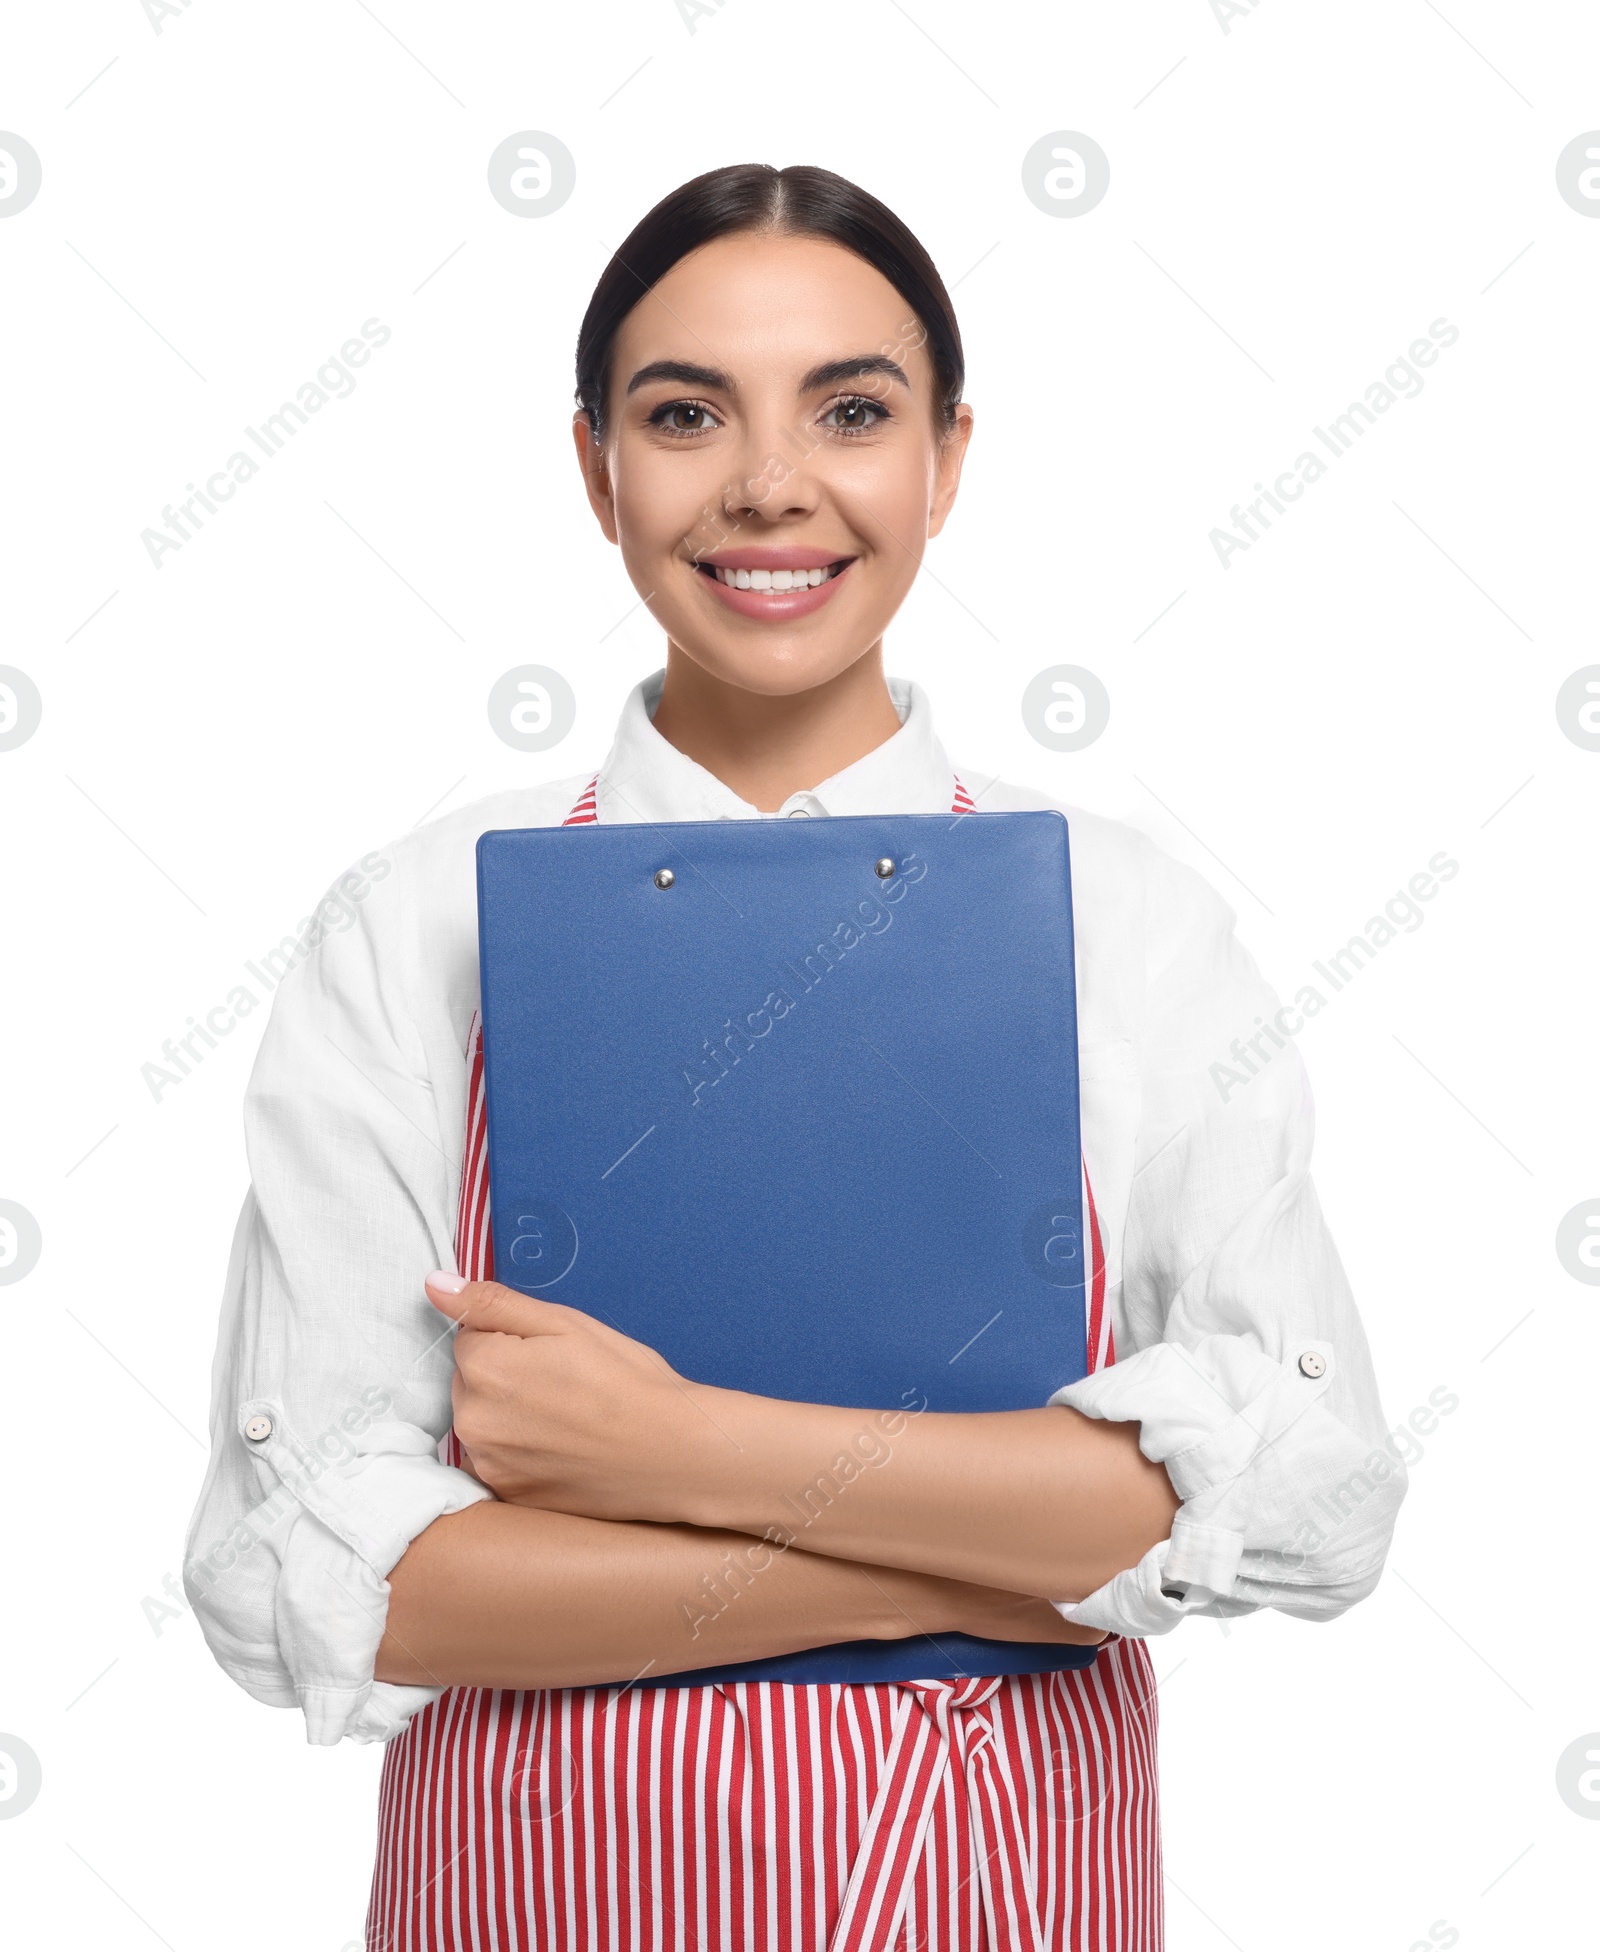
<point>1313,1365</point>
<point>799,813</point>
<point>258,1429</point>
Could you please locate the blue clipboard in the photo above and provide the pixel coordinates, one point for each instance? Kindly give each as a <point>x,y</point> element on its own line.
<point>796,1104</point>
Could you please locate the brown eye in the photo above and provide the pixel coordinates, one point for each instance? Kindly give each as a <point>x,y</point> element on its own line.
<point>683,417</point>
<point>855,414</point>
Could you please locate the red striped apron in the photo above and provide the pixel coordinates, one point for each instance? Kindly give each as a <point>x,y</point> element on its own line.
<point>1016,1813</point>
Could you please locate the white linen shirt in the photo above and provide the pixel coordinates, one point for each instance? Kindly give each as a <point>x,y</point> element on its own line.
<point>1241,1355</point>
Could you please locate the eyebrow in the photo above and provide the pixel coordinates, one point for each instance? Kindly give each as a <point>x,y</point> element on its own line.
<point>851,369</point>
<point>683,373</point>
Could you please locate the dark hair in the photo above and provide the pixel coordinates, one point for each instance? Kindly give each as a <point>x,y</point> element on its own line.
<point>800,200</point>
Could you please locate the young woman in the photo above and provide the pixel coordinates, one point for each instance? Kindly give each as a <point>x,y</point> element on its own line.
<point>770,427</point>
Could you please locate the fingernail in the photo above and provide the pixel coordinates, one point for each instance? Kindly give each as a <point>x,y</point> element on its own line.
<point>445,1282</point>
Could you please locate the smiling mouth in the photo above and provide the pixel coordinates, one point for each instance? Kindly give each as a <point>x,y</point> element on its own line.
<point>774,581</point>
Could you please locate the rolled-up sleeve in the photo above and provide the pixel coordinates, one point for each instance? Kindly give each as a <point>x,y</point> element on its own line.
<point>1249,1373</point>
<point>331,1385</point>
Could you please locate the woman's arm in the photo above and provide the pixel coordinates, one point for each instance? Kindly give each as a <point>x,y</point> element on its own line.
<point>559,1411</point>
<point>1044,1501</point>
<point>501,1597</point>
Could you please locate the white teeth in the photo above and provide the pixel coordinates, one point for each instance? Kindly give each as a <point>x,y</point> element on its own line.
<point>772,579</point>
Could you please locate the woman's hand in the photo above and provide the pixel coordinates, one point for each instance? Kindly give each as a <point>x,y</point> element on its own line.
<point>556,1410</point>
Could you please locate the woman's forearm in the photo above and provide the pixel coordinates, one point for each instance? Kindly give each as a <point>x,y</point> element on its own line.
<point>502,1597</point>
<point>560,1412</point>
<point>1044,1501</point>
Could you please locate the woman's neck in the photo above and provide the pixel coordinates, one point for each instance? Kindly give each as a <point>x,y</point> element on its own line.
<point>766,747</point>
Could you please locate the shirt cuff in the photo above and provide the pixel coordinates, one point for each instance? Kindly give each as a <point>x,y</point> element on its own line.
<point>374,1713</point>
<point>1138,1603</point>
<point>1211,1414</point>
<point>323,1544</point>
<point>1208,1411</point>
<point>376,1490</point>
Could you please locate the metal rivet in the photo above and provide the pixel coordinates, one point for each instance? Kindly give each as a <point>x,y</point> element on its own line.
<point>665,877</point>
<point>883,869</point>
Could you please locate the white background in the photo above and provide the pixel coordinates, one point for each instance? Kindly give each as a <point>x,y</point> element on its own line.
<point>1374,680</point>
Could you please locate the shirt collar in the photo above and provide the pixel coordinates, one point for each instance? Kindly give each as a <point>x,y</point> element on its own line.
<point>645,778</point>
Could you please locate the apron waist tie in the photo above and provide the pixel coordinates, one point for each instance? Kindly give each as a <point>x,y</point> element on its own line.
<point>935,1731</point>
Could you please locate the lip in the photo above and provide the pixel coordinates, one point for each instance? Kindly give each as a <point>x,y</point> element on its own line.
<point>774,606</point>
<point>774,556</point>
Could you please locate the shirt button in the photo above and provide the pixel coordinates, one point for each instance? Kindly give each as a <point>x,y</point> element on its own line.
<point>799,813</point>
<point>258,1429</point>
<point>1313,1365</point>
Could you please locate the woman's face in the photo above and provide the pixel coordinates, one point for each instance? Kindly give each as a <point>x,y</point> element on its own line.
<point>771,417</point>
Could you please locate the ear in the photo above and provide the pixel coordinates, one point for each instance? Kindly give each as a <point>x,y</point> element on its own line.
<point>596,475</point>
<point>947,476</point>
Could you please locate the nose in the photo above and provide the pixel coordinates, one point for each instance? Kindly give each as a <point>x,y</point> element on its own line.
<point>776,479</point>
